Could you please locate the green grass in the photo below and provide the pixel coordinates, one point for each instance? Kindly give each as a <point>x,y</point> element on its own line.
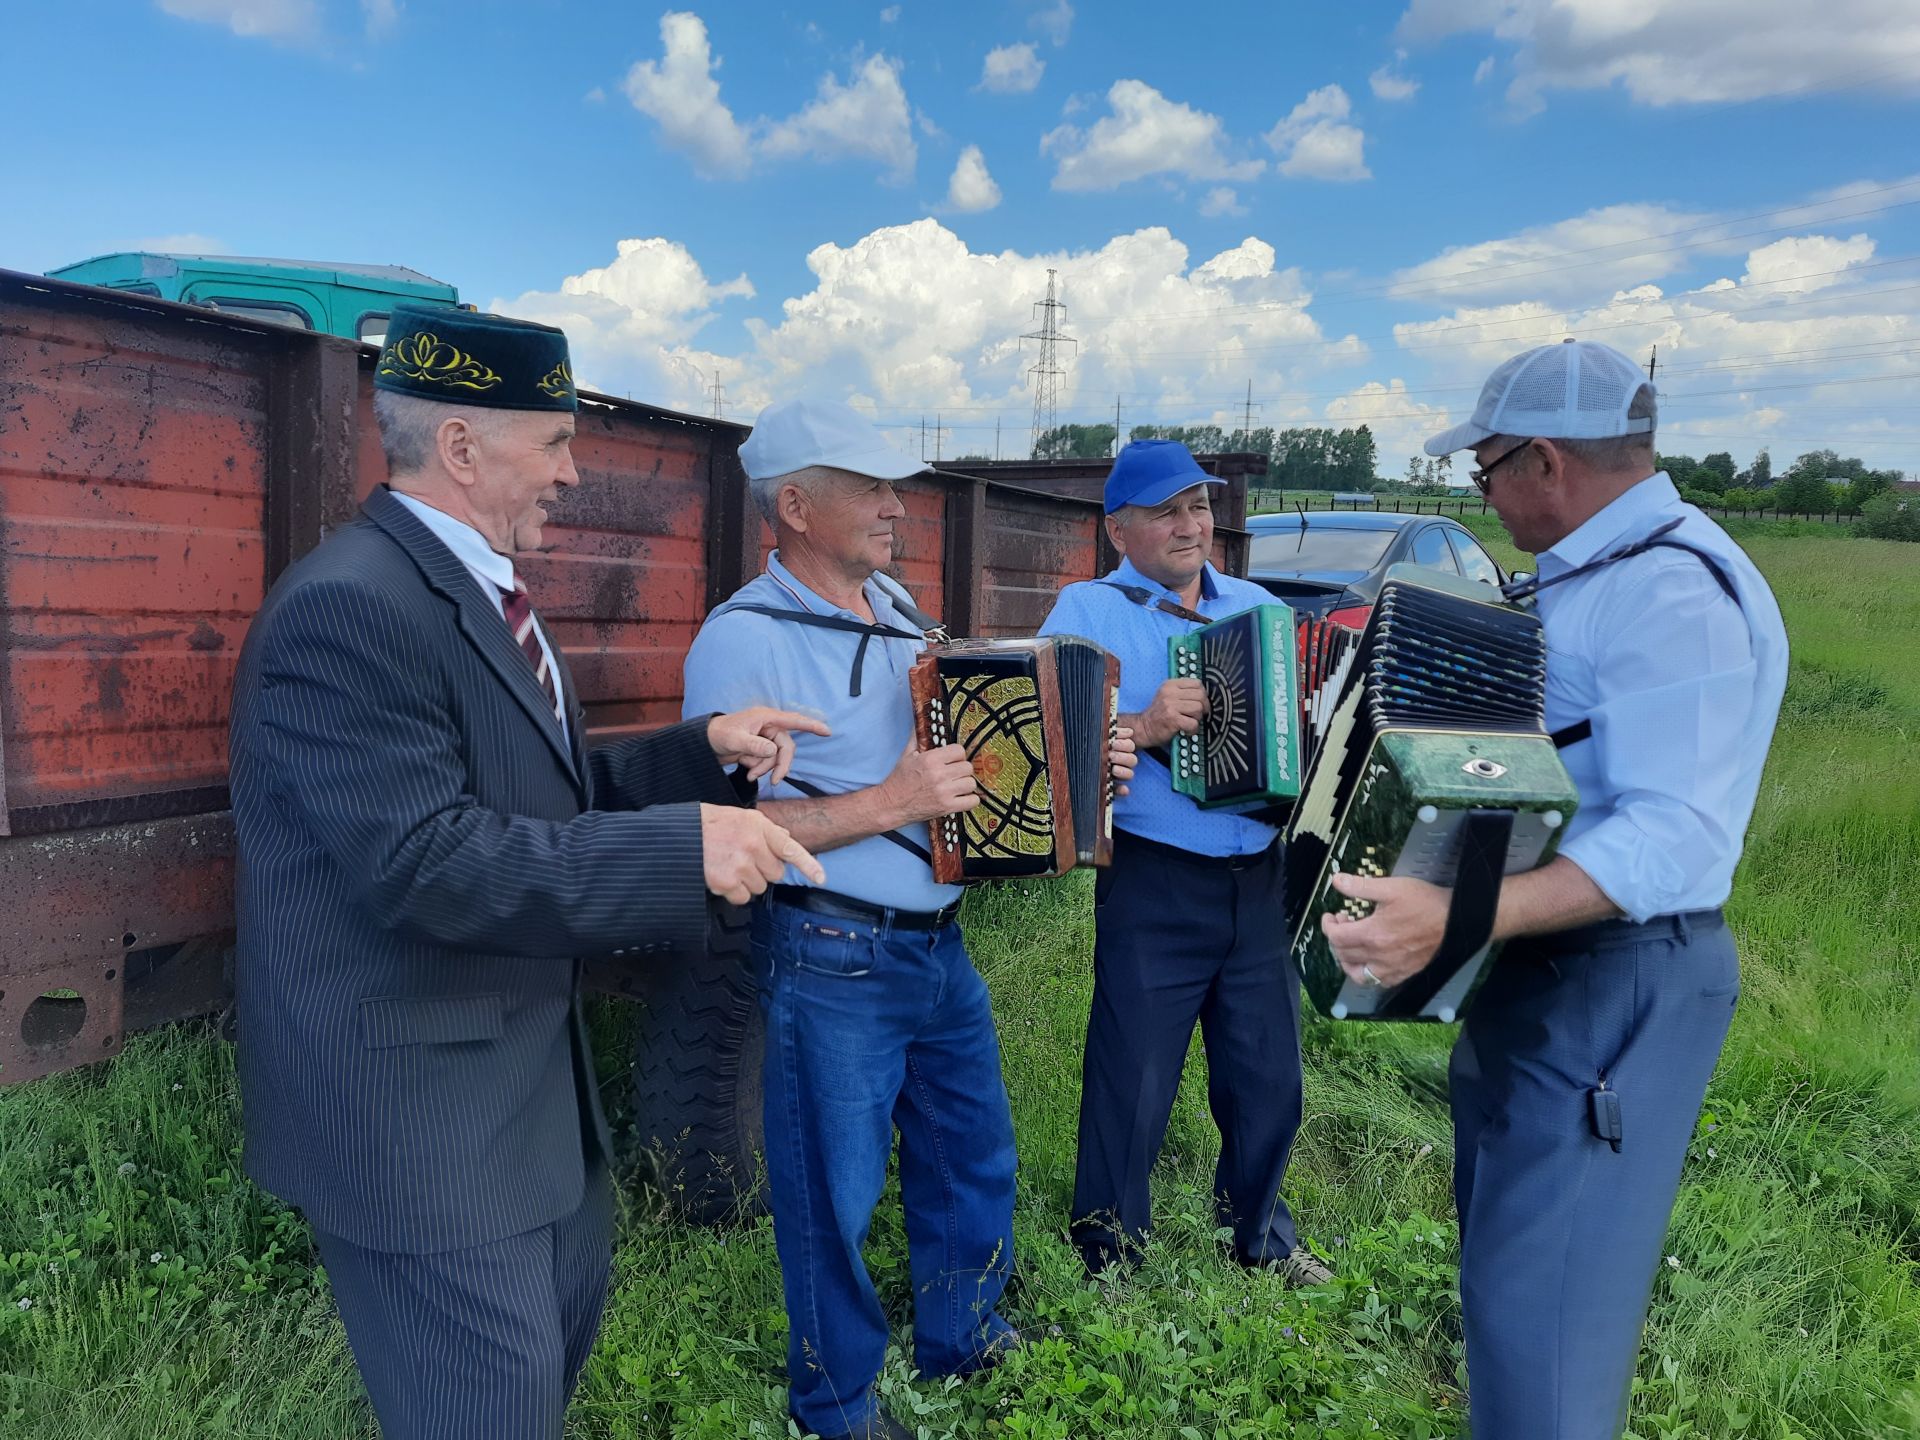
<point>171,1299</point>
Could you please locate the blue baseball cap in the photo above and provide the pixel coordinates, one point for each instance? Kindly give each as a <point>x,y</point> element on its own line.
<point>1148,472</point>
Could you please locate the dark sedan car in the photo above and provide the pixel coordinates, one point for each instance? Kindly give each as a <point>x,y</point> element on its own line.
<point>1331,562</point>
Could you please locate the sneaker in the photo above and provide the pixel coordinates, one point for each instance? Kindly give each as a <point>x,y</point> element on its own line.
<point>1303,1267</point>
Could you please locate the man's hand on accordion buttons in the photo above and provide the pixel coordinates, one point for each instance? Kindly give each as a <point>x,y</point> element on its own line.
<point>1401,935</point>
<point>926,784</point>
<point>1178,708</point>
<point>760,738</point>
<point>742,852</point>
<point>1122,756</point>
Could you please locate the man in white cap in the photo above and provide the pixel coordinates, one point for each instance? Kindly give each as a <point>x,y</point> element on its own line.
<point>1578,1077</point>
<point>876,1018</point>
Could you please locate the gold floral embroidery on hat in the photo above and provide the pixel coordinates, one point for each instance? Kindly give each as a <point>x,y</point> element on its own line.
<point>558,382</point>
<point>425,356</point>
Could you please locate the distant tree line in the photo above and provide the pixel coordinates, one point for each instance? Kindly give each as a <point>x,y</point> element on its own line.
<point>1820,482</point>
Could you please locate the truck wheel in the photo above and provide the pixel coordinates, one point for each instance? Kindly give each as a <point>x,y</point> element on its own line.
<point>696,1077</point>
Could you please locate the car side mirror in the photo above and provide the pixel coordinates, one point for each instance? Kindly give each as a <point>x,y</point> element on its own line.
<point>1517,577</point>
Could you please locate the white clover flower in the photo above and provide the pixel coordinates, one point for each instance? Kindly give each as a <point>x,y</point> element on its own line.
<point>127,1167</point>
<point>157,1257</point>
<point>1673,1262</point>
<point>24,1303</point>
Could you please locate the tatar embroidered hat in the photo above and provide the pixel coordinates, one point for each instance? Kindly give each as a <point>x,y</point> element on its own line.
<point>1575,390</point>
<point>790,435</point>
<point>1147,472</point>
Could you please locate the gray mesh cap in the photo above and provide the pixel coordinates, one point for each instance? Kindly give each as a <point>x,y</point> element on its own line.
<point>1576,390</point>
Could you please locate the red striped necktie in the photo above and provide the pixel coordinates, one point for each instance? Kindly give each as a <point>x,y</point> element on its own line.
<point>519,613</point>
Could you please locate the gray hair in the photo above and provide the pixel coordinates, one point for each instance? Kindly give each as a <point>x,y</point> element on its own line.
<point>1618,452</point>
<point>410,427</point>
<point>766,489</point>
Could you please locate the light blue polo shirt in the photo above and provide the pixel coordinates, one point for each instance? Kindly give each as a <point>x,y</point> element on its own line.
<point>740,659</point>
<point>1138,635</point>
<point>1682,687</point>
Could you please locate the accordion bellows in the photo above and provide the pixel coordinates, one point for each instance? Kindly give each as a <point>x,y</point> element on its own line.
<point>1434,762</point>
<point>1035,717</point>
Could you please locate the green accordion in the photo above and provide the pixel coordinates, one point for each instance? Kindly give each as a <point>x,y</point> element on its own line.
<point>1433,763</point>
<point>1246,756</point>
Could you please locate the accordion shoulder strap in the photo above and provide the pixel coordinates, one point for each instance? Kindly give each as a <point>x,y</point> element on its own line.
<point>865,631</point>
<point>931,629</point>
<point>1654,541</point>
<point>912,847</point>
<point>1142,596</point>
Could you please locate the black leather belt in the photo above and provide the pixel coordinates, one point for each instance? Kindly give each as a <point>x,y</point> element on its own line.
<point>1126,839</point>
<point>845,907</point>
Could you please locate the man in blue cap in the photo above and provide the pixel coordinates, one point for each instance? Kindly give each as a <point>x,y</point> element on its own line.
<point>1579,1074</point>
<point>1188,920</point>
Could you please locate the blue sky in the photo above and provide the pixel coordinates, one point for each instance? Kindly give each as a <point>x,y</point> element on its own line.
<point>1355,210</point>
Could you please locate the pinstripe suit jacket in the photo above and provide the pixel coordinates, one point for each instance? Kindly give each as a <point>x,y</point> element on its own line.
<point>422,857</point>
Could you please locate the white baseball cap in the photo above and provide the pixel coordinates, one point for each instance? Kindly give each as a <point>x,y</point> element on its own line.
<point>1576,390</point>
<point>790,435</point>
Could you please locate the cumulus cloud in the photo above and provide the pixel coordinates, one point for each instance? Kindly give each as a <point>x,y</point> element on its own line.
<point>381,16</point>
<point>1222,200</point>
<point>1314,142</point>
<point>1389,84</point>
<point>908,318</point>
<point>1682,52</point>
<point>1011,69</point>
<point>1054,20</point>
<point>1801,264</point>
<point>1400,422</point>
<point>1143,134</point>
<point>890,14</point>
<point>1483,71</point>
<point>681,95</point>
<point>866,118</point>
<point>253,19</point>
<point>971,188</point>
<point>631,323</point>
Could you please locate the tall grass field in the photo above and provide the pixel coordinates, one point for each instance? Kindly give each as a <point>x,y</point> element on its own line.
<point>148,1291</point>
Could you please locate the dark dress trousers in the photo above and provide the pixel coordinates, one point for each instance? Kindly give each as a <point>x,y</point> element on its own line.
<point>423,855</point>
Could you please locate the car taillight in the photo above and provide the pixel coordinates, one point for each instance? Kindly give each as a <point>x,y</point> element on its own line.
<point>1354,617</point>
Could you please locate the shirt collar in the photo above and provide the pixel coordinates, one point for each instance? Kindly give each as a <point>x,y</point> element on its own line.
<point>812,599</point>
<point>468,545</point>
<point>1621,519</point>
<point>1127,574</point>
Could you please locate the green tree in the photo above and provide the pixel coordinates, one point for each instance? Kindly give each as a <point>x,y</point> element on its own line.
<point>1759,475</point>
<point>1890,515</point>
<point>1075,442</point>
<point>1804,491</point>
<point>1720,463</point>
<point>1864,487</point>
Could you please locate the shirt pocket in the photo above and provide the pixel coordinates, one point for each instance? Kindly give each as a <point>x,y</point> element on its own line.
<point>839,949</point>
<point>387,1022</point>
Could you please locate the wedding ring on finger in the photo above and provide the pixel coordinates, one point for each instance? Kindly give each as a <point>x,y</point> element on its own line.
<point>1371,978</point>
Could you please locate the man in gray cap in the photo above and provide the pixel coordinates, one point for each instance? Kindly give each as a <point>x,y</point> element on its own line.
<point>1578,1076</point>
<point>426,846</point>
<point>876,1019</point>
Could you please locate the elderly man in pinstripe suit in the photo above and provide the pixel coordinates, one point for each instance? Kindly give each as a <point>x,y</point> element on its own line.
<point>425,847</point>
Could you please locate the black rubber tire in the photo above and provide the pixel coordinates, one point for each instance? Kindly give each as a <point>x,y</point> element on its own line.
<point>698,1038</point>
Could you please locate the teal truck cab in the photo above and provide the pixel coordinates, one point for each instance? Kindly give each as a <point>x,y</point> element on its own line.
<point>349,300</point>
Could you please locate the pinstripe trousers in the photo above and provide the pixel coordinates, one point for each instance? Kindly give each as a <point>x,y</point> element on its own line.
<point>483,1343</point>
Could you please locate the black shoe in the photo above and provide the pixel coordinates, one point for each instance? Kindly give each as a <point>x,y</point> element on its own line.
<point>881,1427</point>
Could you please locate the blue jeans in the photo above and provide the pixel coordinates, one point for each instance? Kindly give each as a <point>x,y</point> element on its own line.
<point>871,1031</point>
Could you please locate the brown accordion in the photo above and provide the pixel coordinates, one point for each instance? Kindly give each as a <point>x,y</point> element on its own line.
<point>1036,718</point>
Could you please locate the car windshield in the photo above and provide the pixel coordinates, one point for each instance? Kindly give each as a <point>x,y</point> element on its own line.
<point>1291,551</point>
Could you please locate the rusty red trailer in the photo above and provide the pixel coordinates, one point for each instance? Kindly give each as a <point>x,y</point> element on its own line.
<point>160,465</point>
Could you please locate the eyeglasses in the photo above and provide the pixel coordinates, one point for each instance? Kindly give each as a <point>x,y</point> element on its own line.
<point>1482,478</point>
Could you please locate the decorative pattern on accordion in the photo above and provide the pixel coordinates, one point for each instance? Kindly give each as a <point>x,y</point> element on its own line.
<point>999,724</point>
<point>1036,718</point>
<point>1246,755</point>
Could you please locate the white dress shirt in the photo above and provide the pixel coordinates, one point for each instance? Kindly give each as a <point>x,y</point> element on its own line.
<point>494,572</point>
<point>1682,687</point>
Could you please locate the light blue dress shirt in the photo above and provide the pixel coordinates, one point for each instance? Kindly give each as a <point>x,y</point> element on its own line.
<point>740,659</point>
<point>494,574</point>
<point>1683,688</point>
<point>1138,635</point>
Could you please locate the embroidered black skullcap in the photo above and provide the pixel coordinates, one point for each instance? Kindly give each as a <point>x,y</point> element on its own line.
<point>464,357</point>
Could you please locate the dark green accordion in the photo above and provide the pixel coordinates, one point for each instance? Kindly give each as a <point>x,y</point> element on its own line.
<point>1434,763</point>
